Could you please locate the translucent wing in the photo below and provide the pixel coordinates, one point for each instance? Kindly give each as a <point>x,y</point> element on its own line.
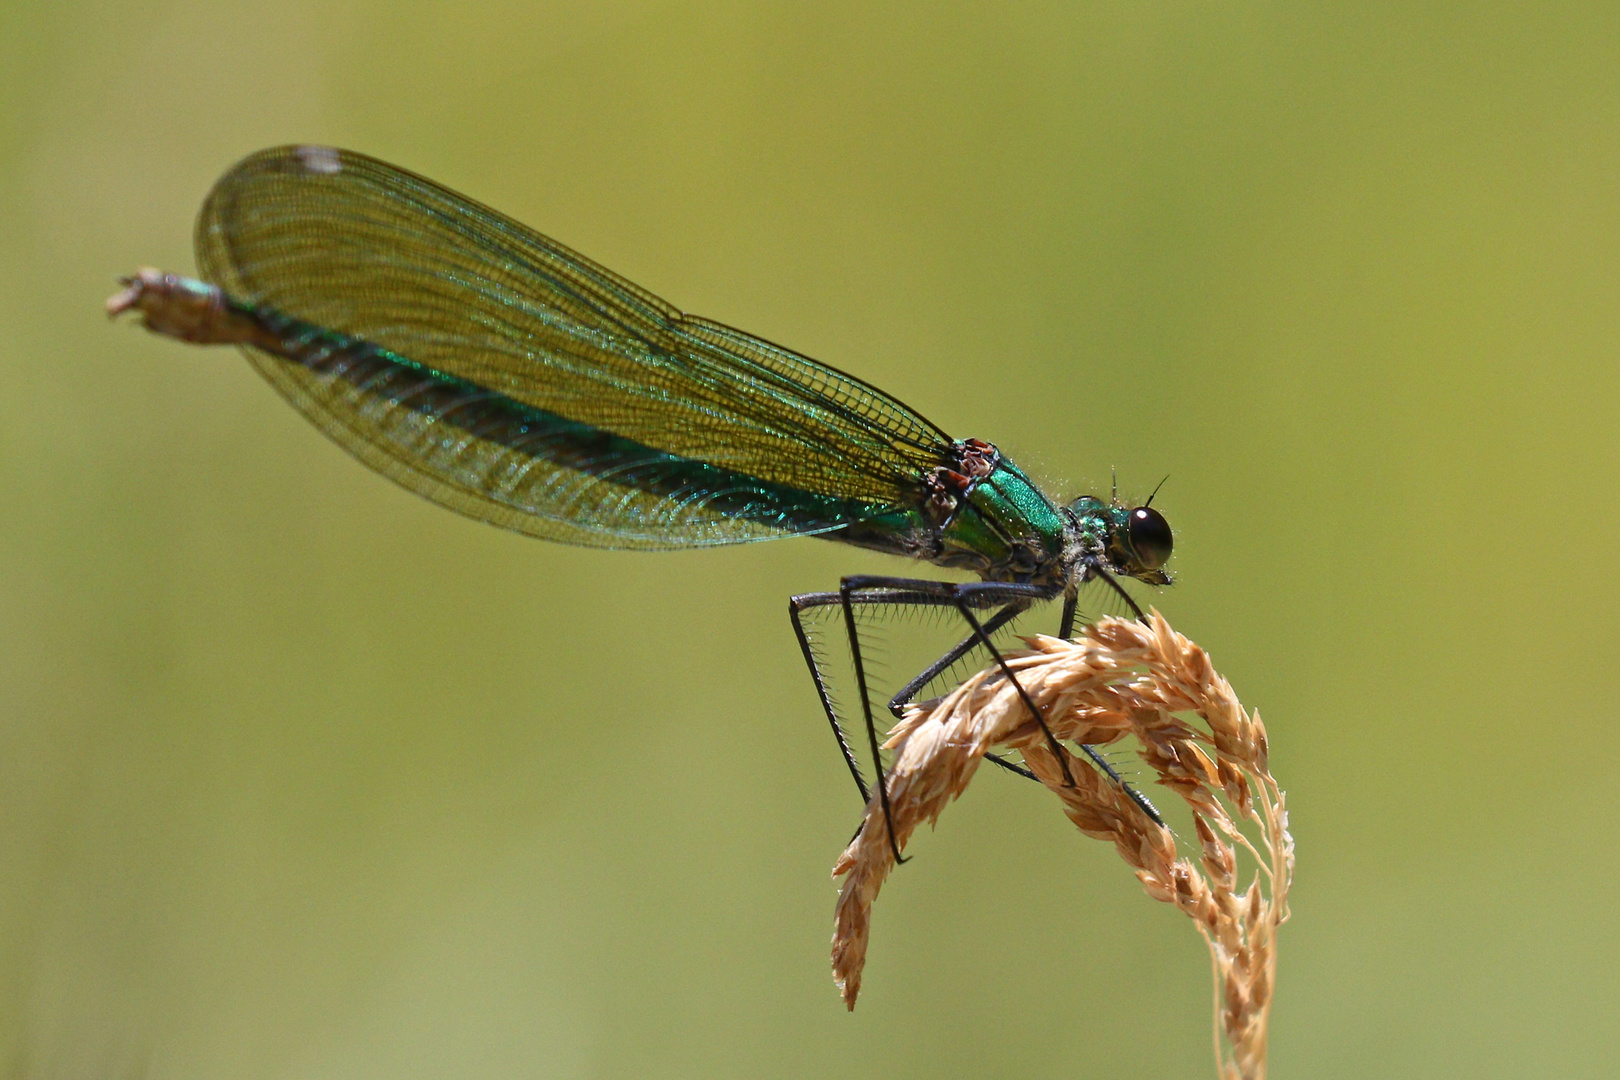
<point>735,439</point>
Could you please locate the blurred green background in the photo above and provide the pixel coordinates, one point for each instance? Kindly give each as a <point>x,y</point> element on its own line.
<point>301,776</point>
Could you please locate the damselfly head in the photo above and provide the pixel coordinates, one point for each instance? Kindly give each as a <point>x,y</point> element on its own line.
<point>1134,541</point>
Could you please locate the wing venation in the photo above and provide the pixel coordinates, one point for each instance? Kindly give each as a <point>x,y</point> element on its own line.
<point>350,243</point>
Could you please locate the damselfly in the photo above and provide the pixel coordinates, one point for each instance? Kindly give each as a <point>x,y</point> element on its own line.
<point>500,374</point>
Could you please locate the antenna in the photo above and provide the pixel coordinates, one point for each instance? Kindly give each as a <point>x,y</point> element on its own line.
<point>1156,491</point>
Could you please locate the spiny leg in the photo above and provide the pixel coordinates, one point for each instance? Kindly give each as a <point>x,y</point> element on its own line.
<point>1014,597</point>
<point>1069,602</point>
<point>1012,594</point>
<point>951,656</point>
<point>898,703</point>
<point>1023,695</point>
<point>866,707</point>
<point>797,605</point>
<point>1091,752</point>
<point>1113,583</point>
<point>960,596</point>
<point>925,593</point>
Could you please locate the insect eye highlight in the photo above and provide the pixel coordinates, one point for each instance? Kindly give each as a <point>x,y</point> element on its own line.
<point>1150,537</point>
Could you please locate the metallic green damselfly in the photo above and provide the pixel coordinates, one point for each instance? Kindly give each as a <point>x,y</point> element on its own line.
<point>496,372</point>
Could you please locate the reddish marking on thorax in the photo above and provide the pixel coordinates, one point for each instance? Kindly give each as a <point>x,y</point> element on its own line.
<point>947,488</point>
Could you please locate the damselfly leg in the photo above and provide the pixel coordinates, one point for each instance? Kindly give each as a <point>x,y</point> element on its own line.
<point>1006,601</point>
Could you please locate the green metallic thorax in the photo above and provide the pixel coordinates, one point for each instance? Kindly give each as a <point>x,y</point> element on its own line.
<point>1005,530</point>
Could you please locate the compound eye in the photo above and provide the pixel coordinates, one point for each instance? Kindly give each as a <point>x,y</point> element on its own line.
<point>1150,537</point>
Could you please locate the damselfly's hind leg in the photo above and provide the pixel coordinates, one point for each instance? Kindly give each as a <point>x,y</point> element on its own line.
<point>797,606</point>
